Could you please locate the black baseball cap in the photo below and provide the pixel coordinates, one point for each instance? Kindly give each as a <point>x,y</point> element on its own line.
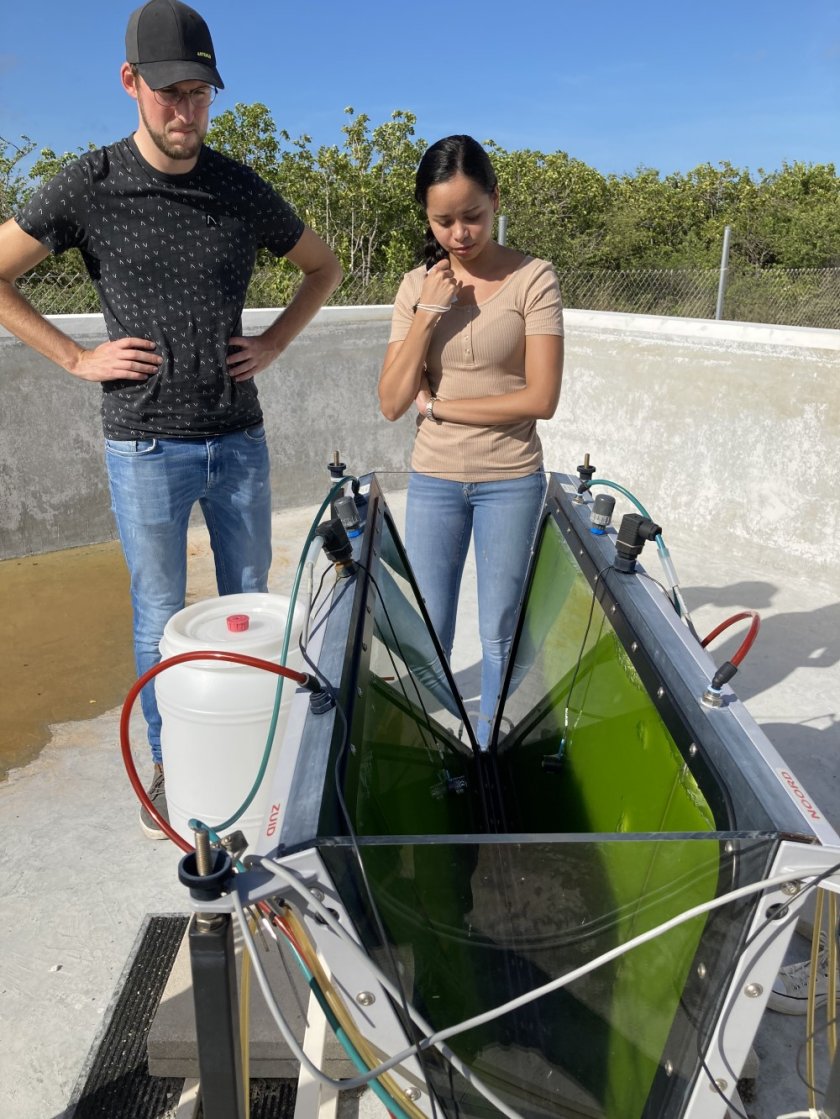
<point>169,42</point>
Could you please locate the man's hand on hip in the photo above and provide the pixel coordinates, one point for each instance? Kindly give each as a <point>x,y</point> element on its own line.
<point>249,356</point>
<point>126,359</point>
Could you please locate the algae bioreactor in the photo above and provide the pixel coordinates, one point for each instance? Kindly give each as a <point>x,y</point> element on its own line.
<point>585,919</point>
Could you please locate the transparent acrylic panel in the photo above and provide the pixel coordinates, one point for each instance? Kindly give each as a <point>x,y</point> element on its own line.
<point>408,769</point>
<point>583,745</point>
<point>471,925</point>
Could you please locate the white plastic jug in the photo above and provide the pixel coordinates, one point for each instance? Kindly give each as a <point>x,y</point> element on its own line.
<point>216,714</point>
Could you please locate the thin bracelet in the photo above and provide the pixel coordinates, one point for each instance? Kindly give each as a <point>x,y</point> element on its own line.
<point>435,308</point>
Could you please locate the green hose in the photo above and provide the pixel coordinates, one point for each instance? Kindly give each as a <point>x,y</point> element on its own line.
<point>287,636</point>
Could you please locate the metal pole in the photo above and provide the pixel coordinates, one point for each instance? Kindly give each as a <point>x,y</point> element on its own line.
<point>502,237</point>
<point>216,1016</point>
<point>724,272</point>
<point>205,872</point>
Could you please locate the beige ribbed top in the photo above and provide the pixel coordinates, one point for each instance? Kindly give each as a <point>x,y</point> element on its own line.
<point>479,350</point>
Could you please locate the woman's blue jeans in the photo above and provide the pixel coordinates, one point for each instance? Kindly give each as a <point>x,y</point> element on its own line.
<point>154,485</point>
<point>441,515</point>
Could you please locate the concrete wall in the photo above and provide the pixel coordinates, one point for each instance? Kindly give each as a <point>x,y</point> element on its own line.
<point>319,398</point>
<point>728,428</point>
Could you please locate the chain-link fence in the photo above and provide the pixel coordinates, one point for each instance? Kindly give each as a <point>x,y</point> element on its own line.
<point>786,296</point>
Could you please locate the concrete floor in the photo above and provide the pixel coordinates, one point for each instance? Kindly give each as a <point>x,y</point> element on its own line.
<point>79,876</point>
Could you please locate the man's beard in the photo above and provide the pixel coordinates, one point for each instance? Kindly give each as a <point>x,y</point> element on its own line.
<point>187,147</point>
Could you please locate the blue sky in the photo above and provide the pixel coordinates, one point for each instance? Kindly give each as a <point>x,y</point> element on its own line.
<point>664,85</point>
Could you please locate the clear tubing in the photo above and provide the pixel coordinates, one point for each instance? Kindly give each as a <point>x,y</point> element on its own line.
<point>289,1037</point>
<point>664,554</point>
<point>293,881</point>
<point>284,652</point>
<point>131,699</point>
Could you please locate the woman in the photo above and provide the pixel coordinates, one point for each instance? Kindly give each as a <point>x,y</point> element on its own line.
<point>477,346</point>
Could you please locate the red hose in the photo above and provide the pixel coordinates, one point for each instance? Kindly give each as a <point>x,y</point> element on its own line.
<point>131,699</point>
<point>747,643</point>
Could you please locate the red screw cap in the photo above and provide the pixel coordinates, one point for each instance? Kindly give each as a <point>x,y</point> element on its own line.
<point>238,623</point>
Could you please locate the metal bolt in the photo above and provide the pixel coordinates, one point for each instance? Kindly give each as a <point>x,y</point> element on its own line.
<point>317,894</point>
<point>365,998</point>
<point>719,1084</point>
<point>790,889</point>
<point>729,847</point>
<point>701,971</point>
<point>203,856</point>
<point>692,750</point>
<point>634,646</point>
<point>669,1068</point>
<point>208,922</point>
<point>660,692</point>
<point>613,608</point>
<point>234,843</point>
<point>753,990</point>
<point>412,1093</point>
<point>712,697</point>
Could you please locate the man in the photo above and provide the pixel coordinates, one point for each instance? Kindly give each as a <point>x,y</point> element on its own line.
<point>169,232</point>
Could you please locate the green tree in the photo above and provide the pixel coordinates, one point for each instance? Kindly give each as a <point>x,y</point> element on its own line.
<point>14,189</point>
<point>554,204</point>
<point>792,218</point>
<point>248,134</point>
<point>358,195</point>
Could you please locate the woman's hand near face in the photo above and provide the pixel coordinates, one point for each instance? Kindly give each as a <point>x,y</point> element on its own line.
<point>440,288</point>
<point>402,378</point>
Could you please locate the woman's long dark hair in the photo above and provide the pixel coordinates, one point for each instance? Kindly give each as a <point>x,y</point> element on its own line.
<point>453,155</point>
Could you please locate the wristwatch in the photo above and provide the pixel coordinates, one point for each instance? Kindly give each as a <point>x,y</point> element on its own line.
<point>430,408</point>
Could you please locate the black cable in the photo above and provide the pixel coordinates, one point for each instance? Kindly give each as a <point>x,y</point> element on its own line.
<point>809,1037</point>
<point>713,1084</point>
<point>426,715</point>
<point>316,595</point>
<point>732,966</point>
<point>380,927</point>
<point>730,972</point>
<point>583,642</point>
<point>345,812</point>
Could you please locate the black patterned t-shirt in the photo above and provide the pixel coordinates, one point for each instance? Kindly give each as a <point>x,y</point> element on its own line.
<point>171,257</point>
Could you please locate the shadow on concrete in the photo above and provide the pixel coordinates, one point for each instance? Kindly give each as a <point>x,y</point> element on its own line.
<point>786,641</point>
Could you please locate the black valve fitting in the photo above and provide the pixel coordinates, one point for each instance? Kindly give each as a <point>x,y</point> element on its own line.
<point>585,471</point>
<point>601,513</point>
<point>336,467</point>
<point>337,544</point>
<point>206,887</point>
<point>632,534</point>
<point>723,675</point>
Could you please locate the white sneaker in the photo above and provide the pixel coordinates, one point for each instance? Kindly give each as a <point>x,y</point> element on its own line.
<point>790,990</point>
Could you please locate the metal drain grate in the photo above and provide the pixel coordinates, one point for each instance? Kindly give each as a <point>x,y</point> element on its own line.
<point>270,1099</point>
<point>116,1082</point>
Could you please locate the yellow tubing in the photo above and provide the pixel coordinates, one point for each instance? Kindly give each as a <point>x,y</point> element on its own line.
<point>832,975</point>
<point>811,1012</point>
<point>369,1053</point>
<point>244,1022</point>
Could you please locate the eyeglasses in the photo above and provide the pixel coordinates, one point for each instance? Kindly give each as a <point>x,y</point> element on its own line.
<point>200,97</point>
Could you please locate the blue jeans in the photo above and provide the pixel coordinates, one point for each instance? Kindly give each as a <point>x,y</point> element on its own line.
<point>441,515</point>
<point>154,485</point>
